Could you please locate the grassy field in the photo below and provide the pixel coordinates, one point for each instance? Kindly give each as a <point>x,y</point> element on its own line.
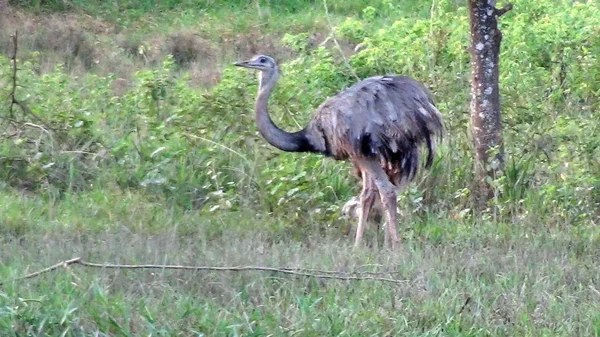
<point>484,280</point>
<point>143,151</point>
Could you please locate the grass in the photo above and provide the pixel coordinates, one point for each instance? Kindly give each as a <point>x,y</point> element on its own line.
<point>112,35</point>
<point>491,279</point>
<point>106,37</point>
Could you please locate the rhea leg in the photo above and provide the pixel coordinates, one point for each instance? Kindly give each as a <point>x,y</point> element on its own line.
<point>386,233</point>
<point>350,213</point>
<point>367,198</point>
<point>377,215</point>
<point>388,195</point>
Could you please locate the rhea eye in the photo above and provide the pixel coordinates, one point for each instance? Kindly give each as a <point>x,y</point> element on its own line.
<point>262,60</point>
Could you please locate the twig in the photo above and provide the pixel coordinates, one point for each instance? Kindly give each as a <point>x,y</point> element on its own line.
<point>501,11</point>
<point>36,127</point>
<point>13,58</point>
<point>359,276</point>
<point>353,273</point>
<point>289,271</point>
<point>467,301</point>
<point>51,268</point>
<point>593,289</point>
<point>12,158</point>
<point>13,91</point>
<point>189,135</point>
<point>77,152</point>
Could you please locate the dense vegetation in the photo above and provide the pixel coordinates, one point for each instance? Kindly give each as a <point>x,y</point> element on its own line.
<point>137,129</point>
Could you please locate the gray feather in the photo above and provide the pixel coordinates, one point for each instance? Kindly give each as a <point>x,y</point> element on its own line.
<point>386,117</point>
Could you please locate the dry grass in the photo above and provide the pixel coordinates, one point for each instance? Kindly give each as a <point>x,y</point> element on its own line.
<point>459,279</point>
<point>187,47</point>
<point>120,86</point>
<point>82,44</point>
<point>204,75</point>
<point>67,39</point>
<point>515,286</point>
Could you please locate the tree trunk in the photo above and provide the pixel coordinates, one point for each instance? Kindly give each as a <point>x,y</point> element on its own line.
<point>3,10</point>
<point>485,96</point>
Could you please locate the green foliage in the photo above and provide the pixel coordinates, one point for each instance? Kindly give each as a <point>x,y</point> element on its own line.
<point>352,29</point>
<point>54,142</point>
<point>549,87</point>
<point>299,43</point>
<point>202,151</point>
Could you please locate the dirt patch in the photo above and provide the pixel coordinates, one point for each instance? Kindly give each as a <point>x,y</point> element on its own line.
<point>83,44</point>
<point>63,38</point>
<point>254,43</point>
<point>188,47</point>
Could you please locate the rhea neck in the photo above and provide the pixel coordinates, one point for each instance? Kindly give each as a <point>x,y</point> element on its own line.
<point>285,141</point>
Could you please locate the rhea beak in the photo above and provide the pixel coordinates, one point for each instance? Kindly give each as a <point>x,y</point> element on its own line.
<point>245,64</point>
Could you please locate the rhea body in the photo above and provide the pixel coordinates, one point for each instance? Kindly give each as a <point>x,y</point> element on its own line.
<point>379,124</point>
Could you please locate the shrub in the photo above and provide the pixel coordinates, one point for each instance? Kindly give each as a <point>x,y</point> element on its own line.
<point>187,47</point>
<point>201,150</point>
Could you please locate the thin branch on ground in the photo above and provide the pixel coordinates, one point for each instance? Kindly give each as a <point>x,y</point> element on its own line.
<point>51,268</point>
<point>344,276</point>
<point>4,158</point>
<point>335,272</point>
<point>36,127</point>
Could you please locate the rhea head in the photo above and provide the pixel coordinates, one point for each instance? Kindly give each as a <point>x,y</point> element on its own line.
<point>268,69</point>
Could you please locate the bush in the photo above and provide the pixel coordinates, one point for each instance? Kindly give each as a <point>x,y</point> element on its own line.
<point>187,47</point>
<point>201,150</point>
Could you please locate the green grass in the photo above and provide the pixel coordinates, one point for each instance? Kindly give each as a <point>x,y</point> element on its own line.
<point>459,279</point>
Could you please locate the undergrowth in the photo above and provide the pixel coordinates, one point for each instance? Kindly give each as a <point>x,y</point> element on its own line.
<point>200,149</point>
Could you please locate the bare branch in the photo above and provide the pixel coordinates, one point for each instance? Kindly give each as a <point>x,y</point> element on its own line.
<point>78,152</point>
<point>323,274</point>
<point>37,127</point>
<point>51,268</point>
<point>12,159</point>
<point>501,11</point>
<point>467,301</point>
<point>290,271</point>
<point>13,91</point>
<point>13,58</point>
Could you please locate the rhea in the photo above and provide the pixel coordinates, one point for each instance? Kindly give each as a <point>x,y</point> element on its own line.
<point>378,124</point>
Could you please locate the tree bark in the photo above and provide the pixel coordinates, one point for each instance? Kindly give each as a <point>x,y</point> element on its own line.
<point>4,10</point>
<point>485,96</point>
